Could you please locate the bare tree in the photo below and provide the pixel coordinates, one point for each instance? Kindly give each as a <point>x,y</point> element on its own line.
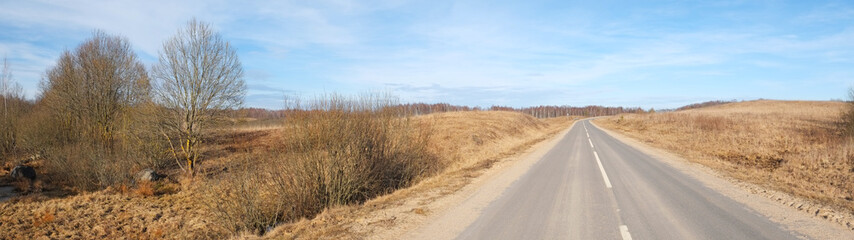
<point>92,88</point>
<point>9,89</point>
<point>5,80</point>
<point>198,76</point>
<point>11,93</point>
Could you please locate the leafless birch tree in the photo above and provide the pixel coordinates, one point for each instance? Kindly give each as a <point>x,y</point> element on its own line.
<point>197,77</point>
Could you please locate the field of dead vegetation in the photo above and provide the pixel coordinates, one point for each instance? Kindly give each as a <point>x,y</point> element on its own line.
<point>470,143</point>
<point>794,147</point>
<point>235,193</point>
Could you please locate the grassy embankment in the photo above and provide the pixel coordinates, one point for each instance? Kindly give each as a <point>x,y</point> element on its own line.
<point>789,146</point>
<point>323,161</point>
<point>469,143</point>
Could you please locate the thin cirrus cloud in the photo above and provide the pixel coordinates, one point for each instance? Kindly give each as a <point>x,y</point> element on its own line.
<point>654,54</point>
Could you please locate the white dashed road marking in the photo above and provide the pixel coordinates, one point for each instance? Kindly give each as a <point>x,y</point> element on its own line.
<point>624,230</point>
<point>602,169</point>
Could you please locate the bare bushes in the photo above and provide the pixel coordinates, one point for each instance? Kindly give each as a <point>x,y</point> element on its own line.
<point>249,199</point>
<point>90,118</point>
<point>86,167</point>
<point>336,151</point>
<point>14,106</point>
<point>10,124</point>
<point>362,147</point>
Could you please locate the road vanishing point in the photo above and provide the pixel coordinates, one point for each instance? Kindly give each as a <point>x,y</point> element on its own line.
<point>593,186</point>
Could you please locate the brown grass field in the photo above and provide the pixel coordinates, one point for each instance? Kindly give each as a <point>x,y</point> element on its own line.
<point>463,143</point>
<point>470,142</point>
<point>789,146</point>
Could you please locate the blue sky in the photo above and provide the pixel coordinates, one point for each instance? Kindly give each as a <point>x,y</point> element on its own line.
<point>660,54</point>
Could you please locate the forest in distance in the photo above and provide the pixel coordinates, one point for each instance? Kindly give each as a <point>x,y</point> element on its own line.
<point>177,131</point>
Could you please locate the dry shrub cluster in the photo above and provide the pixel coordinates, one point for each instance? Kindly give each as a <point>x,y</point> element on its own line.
<point>14,105</point>
<point>89,168</point>
<point>90,124</point>
<point>789,146</point>
<point>335,151</point>
<point>10,121</point>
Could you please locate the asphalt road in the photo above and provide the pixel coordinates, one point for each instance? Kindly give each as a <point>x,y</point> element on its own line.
<point>592,186</point>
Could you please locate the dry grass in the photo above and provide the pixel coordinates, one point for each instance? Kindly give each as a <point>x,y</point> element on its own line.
<point>464,139</point>
<point>105,215</point>
<point>144,189</point>
<point>789,146</point>
<point>460,144</point>
<point>468,143</point>
<point>340,151</point>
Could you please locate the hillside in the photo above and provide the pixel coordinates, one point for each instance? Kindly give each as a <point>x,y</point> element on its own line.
<point>788,146</point>
<point>179,208</point>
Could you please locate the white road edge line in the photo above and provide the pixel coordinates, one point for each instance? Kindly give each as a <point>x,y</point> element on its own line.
<point>624,230</point>
<point>602,169</point>
<point>591,143</point>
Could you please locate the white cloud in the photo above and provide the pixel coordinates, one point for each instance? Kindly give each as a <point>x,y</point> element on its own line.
<point>506,48</point>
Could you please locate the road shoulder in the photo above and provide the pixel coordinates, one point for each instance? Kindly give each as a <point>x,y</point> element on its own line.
<point>454,212</point>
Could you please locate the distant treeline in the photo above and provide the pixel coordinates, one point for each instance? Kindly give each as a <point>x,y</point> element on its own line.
<point>537,111</point>
<point>557,111</point>
<point>416,109</point>
<point>705,104</point>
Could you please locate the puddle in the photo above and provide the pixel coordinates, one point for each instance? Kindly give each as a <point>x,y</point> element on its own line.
<point>6,192</point>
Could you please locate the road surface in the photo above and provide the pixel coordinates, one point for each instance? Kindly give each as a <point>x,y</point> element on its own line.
<point>592,186</point>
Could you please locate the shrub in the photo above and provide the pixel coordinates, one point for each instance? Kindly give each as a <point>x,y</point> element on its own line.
<point>245,200</point>
<point>144,189</point>
<point>336,151</point>
<point>92,119</point>
<point>88,167</point>
<point>14,106</point>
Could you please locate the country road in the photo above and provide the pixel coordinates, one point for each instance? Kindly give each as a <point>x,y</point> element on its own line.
<point>593,186</point>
